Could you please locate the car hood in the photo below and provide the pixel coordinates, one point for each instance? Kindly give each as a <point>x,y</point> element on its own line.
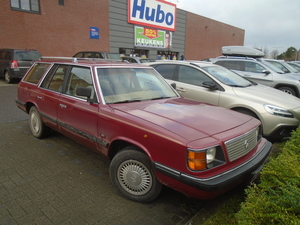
<point>267,95</point>
<point>190,119</point>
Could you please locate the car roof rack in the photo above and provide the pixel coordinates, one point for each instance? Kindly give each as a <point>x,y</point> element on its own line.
<point>75,59</point>
<point>236,57</point>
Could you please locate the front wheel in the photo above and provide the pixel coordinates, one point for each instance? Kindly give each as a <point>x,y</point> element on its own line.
<point>37,127</point>
<point>132,175</point>
<point>288,90</point>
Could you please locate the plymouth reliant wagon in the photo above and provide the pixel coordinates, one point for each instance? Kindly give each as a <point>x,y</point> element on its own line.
<point>152,136</point>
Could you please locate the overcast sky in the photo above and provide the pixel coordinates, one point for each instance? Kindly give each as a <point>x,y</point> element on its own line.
<point>267,23</point>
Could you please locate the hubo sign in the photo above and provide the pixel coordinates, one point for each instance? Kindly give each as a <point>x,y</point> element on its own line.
<point>152,13</point>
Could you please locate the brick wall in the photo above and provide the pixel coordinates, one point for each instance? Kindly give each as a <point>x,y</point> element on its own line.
<point>64,30</point>
<point>57,30</point>
<point>205,37</point>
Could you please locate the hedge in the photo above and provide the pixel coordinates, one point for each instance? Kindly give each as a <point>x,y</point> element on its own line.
<point>276,199</point>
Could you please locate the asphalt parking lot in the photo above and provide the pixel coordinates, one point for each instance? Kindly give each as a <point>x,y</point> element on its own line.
<point>57,181</point>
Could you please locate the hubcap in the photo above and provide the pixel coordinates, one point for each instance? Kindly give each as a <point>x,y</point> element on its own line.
<point>7,78</point>
<point>35,125</point>
<point>134,177</point>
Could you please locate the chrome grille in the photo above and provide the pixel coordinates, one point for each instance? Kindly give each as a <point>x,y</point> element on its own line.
<point>240,146</point>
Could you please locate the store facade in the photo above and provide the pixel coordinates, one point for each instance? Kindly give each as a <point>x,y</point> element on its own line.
<point>155,29</point>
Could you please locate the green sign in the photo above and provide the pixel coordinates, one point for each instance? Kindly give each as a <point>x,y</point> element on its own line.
<point>151,38</point>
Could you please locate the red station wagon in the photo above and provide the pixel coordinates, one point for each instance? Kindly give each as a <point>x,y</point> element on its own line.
<point>152,136</point>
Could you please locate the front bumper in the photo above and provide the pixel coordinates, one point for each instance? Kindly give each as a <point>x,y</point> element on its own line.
<point>223,180</point>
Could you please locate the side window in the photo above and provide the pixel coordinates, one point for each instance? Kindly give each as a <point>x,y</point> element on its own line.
<point>253,67</point>
<point>79,77</point>
<point>79,55</point>
<point>99,55</point>
<point>2,53</point>
<point>36,72</point>
<point>88,55</point>
<point>166,70</point>
<point>7,55</point>
<point>231,65</point>
<point>191,75</point>
<point>55,78</point>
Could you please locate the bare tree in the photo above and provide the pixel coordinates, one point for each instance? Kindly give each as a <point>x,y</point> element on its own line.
<point>274,54</point>
<point>266,51</point>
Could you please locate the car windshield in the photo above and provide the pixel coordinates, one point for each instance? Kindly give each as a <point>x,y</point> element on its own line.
<point>227,76</point>
<point>292,69</point>
<point>272,67</point>
<point>121,85</point>
<point>27,55</point>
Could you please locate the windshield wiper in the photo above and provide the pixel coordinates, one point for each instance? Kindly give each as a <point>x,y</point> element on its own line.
<point>127,101</point>
<point>162,97</point>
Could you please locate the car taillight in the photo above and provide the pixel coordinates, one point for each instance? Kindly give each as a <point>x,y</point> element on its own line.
<point>14,64</point>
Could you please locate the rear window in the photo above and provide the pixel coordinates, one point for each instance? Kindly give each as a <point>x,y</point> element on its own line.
<point>27,55</point>
<point>36,72</point>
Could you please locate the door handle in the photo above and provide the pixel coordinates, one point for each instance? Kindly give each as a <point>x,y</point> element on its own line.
<point>40,97</point>
<point>180,89</point>
<point>62,106</point>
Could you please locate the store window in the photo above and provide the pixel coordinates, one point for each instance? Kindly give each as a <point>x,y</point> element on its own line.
<point>134,52</point>
<point>168,55</point>
<point>26,5</point>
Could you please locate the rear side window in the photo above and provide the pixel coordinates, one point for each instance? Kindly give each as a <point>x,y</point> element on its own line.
<point>27,55</point>
<point>166,70</point>
<point>36,72</point>
<point>2,54</point>
<point>232,65</point>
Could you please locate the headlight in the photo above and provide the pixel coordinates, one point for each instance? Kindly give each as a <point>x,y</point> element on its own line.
<point>258,133</point>
<point>205,158</point>
<point>278,111</point>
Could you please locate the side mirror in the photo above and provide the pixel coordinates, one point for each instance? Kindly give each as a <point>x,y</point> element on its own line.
<point>285,70</point>
<point>173,85</point>
<point>267,72</point>
<point>87,92</point>
<point>210,85</point>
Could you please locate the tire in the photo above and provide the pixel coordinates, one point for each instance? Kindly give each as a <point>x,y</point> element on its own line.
<point>37,127</point>
<point>132,175</point>
<point>288,90</point>
<point>7,77</point>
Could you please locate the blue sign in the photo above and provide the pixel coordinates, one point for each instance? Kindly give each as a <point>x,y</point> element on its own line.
<point>94,33</point>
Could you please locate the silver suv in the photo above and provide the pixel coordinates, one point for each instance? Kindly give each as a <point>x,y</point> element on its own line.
<point>263,73</point>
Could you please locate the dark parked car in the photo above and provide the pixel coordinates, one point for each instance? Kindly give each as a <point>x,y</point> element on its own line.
<point>15,62</point>
<point>130,114</point>
<point>98,55</point>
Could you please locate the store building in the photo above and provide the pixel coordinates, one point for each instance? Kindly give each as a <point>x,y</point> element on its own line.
<point>155,29</point>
